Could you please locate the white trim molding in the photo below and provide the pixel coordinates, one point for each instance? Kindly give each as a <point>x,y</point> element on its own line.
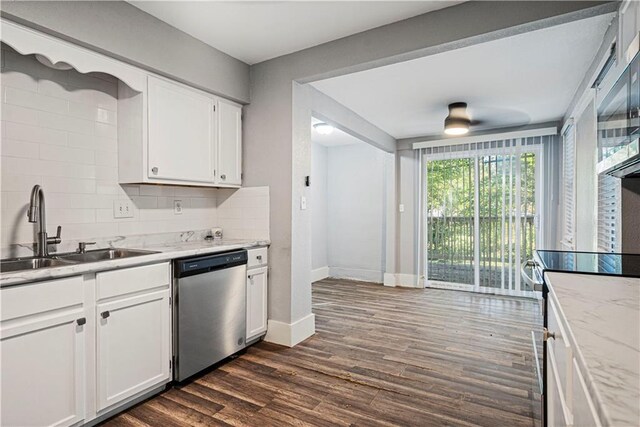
<point>27,41</point>
<point>360,274</point>
<point>319,274</point>
<point>291,334</point>
<point>403,280</point>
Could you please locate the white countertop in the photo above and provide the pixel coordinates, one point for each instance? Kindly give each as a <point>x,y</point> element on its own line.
<point>603,316</point>
<point>166,251</point>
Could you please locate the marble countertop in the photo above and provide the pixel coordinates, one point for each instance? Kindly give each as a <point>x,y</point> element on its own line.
<point>603,318</point>
<point>165,252</point>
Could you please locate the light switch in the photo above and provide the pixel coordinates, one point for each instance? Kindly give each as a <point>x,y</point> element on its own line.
<point>401,208</point>
<point>303,203</point>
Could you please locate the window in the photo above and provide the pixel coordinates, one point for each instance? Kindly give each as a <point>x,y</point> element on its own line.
<point>568,188</point>
<point>608,213</point>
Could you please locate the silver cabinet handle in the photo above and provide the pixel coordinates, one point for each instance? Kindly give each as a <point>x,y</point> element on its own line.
<point>154,170</point>
<point>105,314</point>
<point>547,335</point>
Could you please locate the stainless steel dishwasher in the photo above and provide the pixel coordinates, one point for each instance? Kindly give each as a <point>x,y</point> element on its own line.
<point>209,310</point>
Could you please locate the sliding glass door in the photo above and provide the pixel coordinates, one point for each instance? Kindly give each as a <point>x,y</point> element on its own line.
<point>481,207</point>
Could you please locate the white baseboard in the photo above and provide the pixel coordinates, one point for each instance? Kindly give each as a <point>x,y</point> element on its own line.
<point>403,280</point>
<point>319,274</point>
<point>356,274</point>
<point>389,279</point>
<point>290,334</point>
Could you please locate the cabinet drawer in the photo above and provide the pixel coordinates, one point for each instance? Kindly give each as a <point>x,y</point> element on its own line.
<point>130,280</point>
<point>257,258</point>
<point>38,297</point>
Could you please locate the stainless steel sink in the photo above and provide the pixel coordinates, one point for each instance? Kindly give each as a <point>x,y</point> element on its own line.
<point>20,264</point>
<point>104,255</point>
<point>32,264</point>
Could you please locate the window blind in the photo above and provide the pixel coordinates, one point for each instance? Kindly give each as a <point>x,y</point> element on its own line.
<point>608,213</point>
<point>568,187</point>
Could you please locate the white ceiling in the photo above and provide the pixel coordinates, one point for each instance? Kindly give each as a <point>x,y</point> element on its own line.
<point>528,78</point>
<point>335,139</point>
<point>254,31</point>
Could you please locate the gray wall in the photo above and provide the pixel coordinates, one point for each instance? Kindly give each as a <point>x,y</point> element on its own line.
<point>123,31</point>
<point>318,203</point>
<point>356,218</point>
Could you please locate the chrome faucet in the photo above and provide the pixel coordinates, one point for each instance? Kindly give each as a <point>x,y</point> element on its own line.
<point>36,213</point>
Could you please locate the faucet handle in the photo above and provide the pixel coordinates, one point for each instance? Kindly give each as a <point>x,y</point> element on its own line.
<point>55,240</point>
<point>82,246</point>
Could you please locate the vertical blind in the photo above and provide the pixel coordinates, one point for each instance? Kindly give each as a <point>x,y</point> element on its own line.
<point>568,187</point>
<point>481,209</point>
<point>608,213</point>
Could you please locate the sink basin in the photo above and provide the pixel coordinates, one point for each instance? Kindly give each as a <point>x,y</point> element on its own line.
<point>104,255</point>
<point>21,264</point>
<point>31,264</point>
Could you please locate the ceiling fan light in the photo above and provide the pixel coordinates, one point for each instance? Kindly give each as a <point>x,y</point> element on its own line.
<point>454,126</point>
<point>457,122</point>
<point>323,128</point>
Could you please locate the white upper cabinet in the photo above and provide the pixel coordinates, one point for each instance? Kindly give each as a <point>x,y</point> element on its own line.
<point>229,143</point>
<point>181,133</point>
<point>175,134</point>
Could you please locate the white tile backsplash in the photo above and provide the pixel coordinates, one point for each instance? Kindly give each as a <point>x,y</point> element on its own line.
<point>59,130</point>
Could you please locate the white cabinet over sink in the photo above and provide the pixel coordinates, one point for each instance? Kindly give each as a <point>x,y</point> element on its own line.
<point>175,134</point>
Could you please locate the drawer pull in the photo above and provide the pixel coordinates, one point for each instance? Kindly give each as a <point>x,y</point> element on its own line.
<point>548,335</point>
<point>259,257</point>
<point>105,314</point>
<point>81,321</point>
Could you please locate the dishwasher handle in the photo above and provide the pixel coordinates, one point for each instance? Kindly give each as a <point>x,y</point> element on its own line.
<point>205,264</point>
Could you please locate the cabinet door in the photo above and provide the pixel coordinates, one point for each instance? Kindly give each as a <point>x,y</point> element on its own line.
<point>43,371</point>
<point>558,413</point>
<point>133,346</point>
<point>181,133</point>
<point>229,143</point>
<point>256,302</point>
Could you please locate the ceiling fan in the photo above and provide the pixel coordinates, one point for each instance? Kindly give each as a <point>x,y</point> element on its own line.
<point>458,121</point>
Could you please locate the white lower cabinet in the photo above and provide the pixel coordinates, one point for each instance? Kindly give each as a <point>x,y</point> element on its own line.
<point>42,350</point>
<point>133,346</point>
<point>77,348</point>
<point>257,297</point>
<point>43,371</point>
<point>568,402</point>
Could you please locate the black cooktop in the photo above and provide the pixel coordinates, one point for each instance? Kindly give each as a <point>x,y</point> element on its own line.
<point>627,265</point>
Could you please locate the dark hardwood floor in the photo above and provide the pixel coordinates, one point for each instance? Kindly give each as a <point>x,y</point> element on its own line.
<point>381,356</point>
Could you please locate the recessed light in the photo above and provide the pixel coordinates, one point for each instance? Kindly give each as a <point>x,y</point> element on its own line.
<point>323,128</point>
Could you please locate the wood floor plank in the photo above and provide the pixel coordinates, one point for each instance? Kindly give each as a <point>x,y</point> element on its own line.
<point>380,357</point>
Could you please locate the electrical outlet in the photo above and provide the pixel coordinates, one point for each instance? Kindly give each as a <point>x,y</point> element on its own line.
<point>303,203</point>
<point>177,207</point>
<point>401,208</point>
<point>122,209</point>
